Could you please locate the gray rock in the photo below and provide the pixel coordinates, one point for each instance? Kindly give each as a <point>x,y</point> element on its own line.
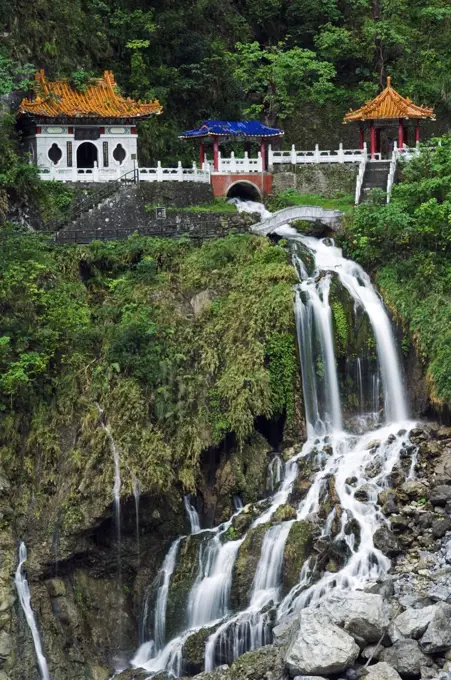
<point>440,494</point>
<point>381,671</point>
<point>6,644</point>
<point>309,677</point>
<point>437,637</point>
<point>439,593</point>
<point>266,662</point>
<point>201,302</point>
<point>285,631</point>
<point>320,647</point>
<point>406,657</point>
<point>441,526</point>
<point>386,541</point>
<point>448,552</point>
<point>412,623</point>
<point>362,615</point>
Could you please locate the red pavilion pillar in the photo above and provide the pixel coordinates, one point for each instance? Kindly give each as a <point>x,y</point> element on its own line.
<point>202,154</point>
<point>417,132</point>
<point>215,154</point>
<point>400,133</point>
<point>263,153</point>
<point>372,139</point>
<point>362,137</point>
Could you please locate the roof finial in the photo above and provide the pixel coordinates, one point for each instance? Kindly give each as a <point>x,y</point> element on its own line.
<point>388,81</point>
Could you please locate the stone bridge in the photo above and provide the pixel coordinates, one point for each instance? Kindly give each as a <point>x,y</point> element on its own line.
<point>306,213</point>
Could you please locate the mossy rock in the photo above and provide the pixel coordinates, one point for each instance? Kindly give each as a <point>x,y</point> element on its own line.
<point>194,650</point>
<point>250,465</point>
<point>182,580</point>
<point>283,514</point>
<point>241,523</point>
<point>266,662</point>
<point>297,549</point>
<point>246,565</point>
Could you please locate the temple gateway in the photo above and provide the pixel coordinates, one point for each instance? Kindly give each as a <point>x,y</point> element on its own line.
<point>82,135</point>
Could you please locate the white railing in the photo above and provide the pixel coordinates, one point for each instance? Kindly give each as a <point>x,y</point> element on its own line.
<point>157,174</point>
<point>407,153</point>
<point>296,157</point>
<point>178,174</point>
<point>236,165</point>
<point>360,176</point>
<point>81,174</point>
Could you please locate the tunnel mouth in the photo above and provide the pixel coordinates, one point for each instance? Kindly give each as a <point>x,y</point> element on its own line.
<point>246,191</point>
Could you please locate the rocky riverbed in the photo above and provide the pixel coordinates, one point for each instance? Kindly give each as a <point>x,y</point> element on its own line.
<point>397,628</point>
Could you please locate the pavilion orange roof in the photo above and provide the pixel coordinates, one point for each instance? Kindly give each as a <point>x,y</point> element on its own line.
<point>101,99</point>
<point>389,104</point>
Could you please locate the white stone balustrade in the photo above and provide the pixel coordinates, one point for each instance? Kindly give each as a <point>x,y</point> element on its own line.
<point>154,174</point>
<point>298,157</point>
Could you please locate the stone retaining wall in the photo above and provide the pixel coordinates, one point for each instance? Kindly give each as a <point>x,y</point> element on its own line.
<point>324,179</point>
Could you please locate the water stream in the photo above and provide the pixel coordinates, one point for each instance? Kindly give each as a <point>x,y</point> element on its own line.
<point>23,592</point>
<point>359,465</point>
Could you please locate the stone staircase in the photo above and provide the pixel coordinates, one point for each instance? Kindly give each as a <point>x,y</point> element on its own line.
<point>375,177</point>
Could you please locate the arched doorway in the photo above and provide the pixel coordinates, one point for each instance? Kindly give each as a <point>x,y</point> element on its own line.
<point>244,190</point>
<point>87,155</point>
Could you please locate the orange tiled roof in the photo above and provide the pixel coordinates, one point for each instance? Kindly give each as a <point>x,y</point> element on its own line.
<point>100,99</point>
<point>389,104</point>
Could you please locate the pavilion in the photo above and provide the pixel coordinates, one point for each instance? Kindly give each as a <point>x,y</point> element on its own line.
<point>387,109</point>
<point>221,131</point>
<point>80,134</point>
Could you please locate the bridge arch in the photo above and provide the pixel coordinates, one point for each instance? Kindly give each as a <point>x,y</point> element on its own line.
<point>305,213</point>
<point>247,191</point>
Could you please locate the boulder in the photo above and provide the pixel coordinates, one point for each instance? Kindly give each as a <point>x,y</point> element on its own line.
<point>437,637</point>
<point>413,490</point>
<point>320,647</point>
<point>265,663</point>
<point>285,631</point>
<point>448,552</point>
<point>381,671</point>
<point>386,541</point>
<point>412,623</point>
<point>362,615</point>
<point>441,526</point>
<point>406,657</point>
<point>440,494</point>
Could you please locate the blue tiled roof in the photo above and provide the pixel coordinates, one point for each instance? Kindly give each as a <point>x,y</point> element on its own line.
<point>231,128</point>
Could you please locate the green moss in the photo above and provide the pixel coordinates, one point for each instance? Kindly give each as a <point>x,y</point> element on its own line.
<point>297,549</point>
<point>245,566</point>
<point>182,579</point>
<point>283,513</point>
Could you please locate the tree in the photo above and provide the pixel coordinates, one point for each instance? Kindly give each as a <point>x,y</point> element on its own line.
<point>277,80</point>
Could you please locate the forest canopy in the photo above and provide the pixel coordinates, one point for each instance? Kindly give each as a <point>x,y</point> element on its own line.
<point>302,63</point>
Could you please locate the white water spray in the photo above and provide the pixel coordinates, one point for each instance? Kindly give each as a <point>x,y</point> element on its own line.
<point>23,592</point>
<point>193,515</point>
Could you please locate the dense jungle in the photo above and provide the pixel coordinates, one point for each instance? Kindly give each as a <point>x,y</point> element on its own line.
<point>229,459</point>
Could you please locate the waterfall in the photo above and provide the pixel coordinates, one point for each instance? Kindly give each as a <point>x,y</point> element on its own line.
<point>137,494</point>
<point>193,515</point>
<point>23,592</point>
<point>357,465</point>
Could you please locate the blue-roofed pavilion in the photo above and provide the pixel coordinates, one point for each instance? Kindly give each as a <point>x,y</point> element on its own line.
<point>220,131</point>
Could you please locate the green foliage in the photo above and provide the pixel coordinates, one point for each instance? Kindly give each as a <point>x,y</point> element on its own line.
<point>170,383</point>
<point>290,197</point>
<point>14,75</point>
<point>408,243</point>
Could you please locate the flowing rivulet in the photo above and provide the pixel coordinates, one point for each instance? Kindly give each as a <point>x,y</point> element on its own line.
<point>335,452</point>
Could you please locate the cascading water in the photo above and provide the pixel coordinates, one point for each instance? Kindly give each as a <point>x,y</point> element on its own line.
<point>360,466</point>
<point>23,592</point>
<point>193,515</point>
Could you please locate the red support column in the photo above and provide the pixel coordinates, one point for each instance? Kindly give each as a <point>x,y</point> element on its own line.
<point>417,132</point>
<point>401,134</point>
<point>202,154</point>
<point>263,153</point>
<point>372,139</point>
<point>362,137</point>
<point>378,140</point>
<point>215,154</point>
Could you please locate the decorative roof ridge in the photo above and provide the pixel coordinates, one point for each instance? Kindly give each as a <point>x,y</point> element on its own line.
<point>389,104</point>
<point>100,98</point>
